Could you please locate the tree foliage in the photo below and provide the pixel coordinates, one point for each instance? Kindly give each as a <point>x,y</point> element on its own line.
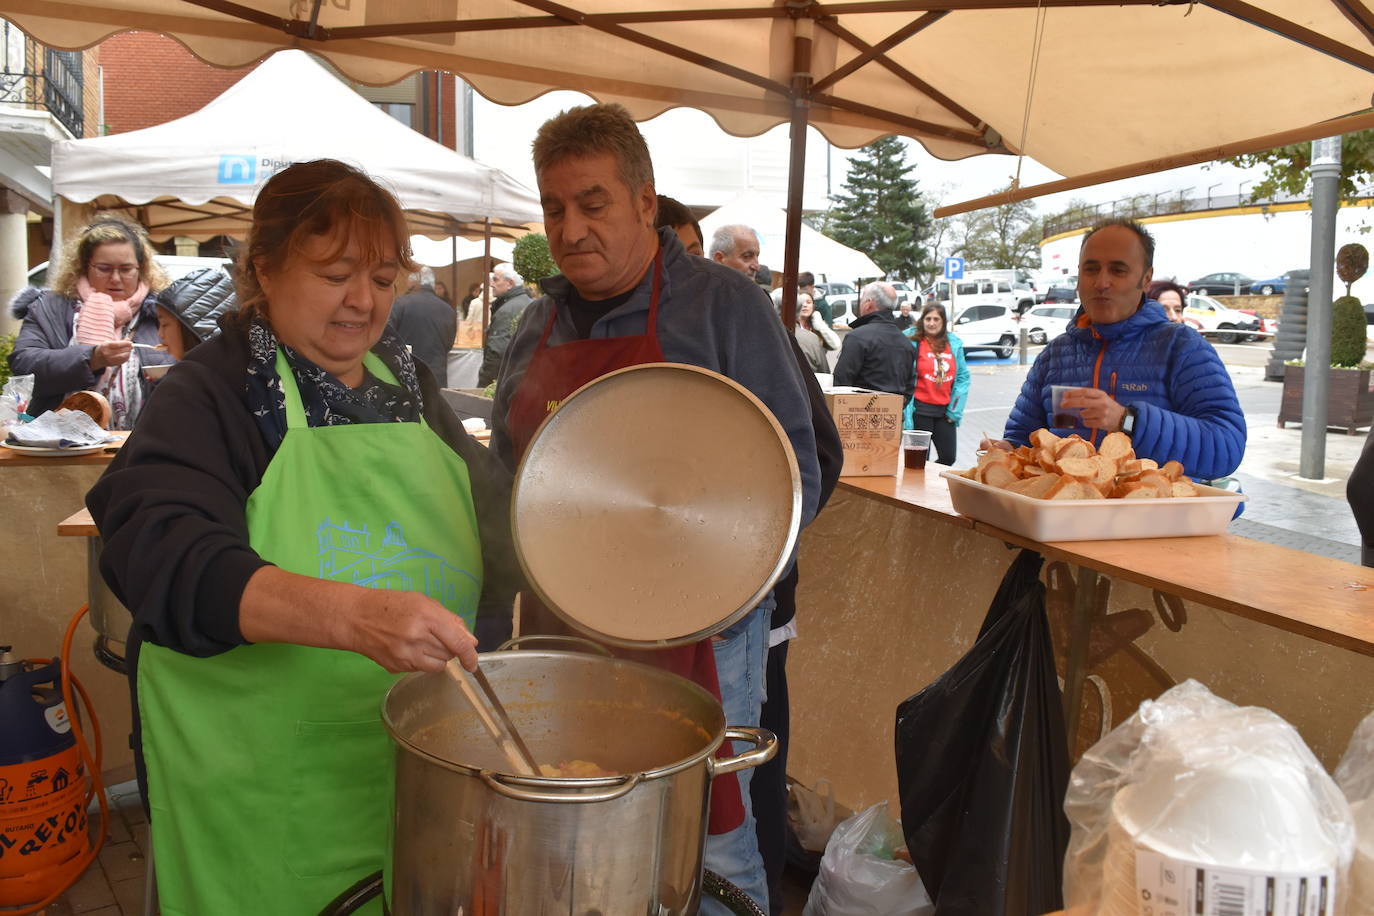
<point>531,258</point>
<point>1286,167</point>
<point>1000,237</point>
<point>881,213</point>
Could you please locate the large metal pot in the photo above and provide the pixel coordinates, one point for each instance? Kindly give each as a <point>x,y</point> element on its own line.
<point>468,837</point>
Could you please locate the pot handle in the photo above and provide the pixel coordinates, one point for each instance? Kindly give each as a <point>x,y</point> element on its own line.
<point>765,746</point>
<point>552,638</point>
<point>498,783</point>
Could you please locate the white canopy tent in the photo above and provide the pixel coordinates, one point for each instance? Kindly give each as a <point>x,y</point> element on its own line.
<point>197,176</point>
<point>819,254</point>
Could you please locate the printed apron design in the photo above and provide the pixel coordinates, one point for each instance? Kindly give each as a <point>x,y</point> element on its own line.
<point>269,773</point>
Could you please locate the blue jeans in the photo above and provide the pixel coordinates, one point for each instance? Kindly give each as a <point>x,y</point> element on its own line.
<point>740,667</point>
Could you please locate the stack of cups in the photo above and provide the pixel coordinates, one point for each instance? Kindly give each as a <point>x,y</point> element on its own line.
<point>915,448</point>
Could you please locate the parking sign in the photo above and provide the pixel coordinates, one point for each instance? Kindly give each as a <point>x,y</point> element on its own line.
<point>954,268</point>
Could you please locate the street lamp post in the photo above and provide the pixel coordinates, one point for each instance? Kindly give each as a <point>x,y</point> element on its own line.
<point>1326,175</point>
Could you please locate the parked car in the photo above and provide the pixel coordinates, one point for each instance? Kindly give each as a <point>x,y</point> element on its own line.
<point>844,308</point>
<point>988,327</point>
<point>1219,323</point>
<point>1046,322</point>
<point>1222,284</point>
<point>834,289</point>
<point>905,293</point>
<point>1277,286</point>
<point>1061,294</point>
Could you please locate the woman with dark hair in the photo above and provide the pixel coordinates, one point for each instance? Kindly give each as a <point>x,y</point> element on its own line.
<point>942,380</point>
<point>1171,297</point>
<point>299,518</point>
<point>80,333</point>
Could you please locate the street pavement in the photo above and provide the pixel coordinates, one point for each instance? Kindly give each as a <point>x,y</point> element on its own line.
<point>1281,508</point>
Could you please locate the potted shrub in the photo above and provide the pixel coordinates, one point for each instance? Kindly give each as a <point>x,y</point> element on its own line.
<point>1349,400</point>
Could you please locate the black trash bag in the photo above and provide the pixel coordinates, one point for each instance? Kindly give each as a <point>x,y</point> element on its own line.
<point>982,765</point>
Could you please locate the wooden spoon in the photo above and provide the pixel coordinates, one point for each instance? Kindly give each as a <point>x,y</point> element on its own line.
<point>499,725</point>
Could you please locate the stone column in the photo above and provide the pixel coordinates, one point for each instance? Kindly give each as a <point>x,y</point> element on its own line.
<point>14,254</point>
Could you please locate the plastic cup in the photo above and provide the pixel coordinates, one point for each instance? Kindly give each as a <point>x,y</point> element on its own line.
<point>915,447</point>
<point>1062,417</point>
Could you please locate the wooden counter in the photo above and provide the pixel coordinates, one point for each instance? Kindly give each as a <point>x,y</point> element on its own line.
<point>12,459</point>
<point>1302,593</point>
<point>894,586</point>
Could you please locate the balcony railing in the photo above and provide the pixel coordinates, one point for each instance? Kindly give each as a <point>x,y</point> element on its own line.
<point>57,88</point>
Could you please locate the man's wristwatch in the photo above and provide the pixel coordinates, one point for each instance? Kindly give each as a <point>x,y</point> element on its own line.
<point>1128,421</point>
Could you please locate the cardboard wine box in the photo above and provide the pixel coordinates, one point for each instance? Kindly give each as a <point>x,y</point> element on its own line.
<point>870,424</point>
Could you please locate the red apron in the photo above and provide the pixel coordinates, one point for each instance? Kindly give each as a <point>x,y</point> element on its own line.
<point>554,373</point>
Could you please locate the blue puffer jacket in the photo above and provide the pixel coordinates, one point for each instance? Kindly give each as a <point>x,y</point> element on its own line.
<point>1186,406</point>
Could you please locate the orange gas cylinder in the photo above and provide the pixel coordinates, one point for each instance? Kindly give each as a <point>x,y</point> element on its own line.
<point>43,783</point>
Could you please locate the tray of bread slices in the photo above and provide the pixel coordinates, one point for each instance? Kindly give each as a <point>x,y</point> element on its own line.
<point>1067,489</point>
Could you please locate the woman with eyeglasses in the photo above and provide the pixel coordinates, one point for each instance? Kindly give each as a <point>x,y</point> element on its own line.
<point>80,333</point>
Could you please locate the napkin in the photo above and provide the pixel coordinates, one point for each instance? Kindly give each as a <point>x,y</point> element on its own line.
<point>59,429</point>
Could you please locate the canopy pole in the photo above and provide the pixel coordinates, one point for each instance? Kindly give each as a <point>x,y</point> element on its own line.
<point>796,167</point>
<point>486,277</point>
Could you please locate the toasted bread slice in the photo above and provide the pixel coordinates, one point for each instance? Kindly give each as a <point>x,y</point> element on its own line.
<point>1164,487</point>
<point>1072,447</point>
<point>998,475</point>
<point>1116,445</point>
<point>1033,470</point>
<point>1071,488</point>
<point>1044,456</point>
<point>1172,470</point>
<point>1082,468</point>
<point>1136,489</point>
<point>1034,486</point>
<point>1106,472</point>
<point>1043,438</point>
<point>970,473</point>
<point>1184,487</point>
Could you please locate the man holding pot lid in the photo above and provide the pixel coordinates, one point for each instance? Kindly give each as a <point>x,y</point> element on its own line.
<point>297,518</point>
<point>629,294</point>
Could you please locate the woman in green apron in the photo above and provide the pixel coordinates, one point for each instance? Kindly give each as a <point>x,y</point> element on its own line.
<point>297,519</point>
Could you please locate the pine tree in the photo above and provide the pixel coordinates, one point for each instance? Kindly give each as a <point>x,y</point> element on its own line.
<point>881,213</point>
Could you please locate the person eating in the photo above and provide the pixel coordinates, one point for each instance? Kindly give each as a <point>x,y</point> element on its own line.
<point>96,325</point>
<point>298,519</point>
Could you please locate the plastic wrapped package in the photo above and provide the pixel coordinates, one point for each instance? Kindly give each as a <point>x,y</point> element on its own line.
<point>1196,805</point>
<point>860,877</point>
<point>1355,776</point>
<point>14,399</point>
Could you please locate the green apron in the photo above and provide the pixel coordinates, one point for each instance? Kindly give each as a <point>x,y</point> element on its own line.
<point>269,772</point>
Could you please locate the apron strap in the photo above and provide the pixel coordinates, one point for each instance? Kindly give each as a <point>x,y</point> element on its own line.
<point>295,410</point>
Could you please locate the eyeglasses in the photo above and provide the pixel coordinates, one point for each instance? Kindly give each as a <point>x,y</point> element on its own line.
<point>127,272</point>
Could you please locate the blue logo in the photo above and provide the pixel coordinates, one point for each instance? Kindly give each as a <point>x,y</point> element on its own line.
<point>954,268</point>
<point>237,170</point>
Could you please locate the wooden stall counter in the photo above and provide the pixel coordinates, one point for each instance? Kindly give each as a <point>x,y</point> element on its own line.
<point>15,459</point>
<point>894,586</point>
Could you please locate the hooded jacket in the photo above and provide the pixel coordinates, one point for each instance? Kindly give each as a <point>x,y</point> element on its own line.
<point>877,356</point>
<point>198,299</point>
<point>1186,407</point>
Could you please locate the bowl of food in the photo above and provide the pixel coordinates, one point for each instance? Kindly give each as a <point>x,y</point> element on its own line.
<point>153,373</point>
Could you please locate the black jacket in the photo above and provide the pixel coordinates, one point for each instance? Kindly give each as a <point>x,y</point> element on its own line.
<point>171,506</point>
<point>506,310</point>
<point>428,325</point>
<point>877,356</point>
<point>198,299</point>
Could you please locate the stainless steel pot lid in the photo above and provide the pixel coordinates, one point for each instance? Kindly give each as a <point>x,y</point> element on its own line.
<point>656,505</point>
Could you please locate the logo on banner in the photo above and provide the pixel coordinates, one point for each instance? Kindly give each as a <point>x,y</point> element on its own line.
<point>237,169</point>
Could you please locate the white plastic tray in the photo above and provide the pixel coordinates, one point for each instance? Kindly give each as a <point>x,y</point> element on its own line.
<point>1093,519</point>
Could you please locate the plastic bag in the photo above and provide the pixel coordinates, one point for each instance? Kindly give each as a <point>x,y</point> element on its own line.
<point>982,763</point>
<point>1355,776</point>
<point>813,816</point>
<point>859,876</point>
<point>1193,795</point>
<point>14,399</point>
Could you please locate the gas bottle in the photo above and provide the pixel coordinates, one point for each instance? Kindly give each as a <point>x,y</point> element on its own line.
<point>43,784</point>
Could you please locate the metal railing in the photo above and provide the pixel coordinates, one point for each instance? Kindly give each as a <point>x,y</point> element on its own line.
<point>57,88</point>
<point>1143,206</point>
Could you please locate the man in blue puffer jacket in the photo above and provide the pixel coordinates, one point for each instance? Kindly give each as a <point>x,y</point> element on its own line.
<point>1156,381</point>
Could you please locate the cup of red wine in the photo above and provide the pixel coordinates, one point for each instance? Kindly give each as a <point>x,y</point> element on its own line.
<point>1062,417</point>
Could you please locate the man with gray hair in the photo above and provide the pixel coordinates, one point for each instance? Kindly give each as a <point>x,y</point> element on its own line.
<point>426,324</point>
<point>875,355</point>
<point>509,298</point>
<point>737,247</point>
<point>630,294</point>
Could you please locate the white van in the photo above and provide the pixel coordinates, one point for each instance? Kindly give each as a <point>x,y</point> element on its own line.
<point>985,287</point>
